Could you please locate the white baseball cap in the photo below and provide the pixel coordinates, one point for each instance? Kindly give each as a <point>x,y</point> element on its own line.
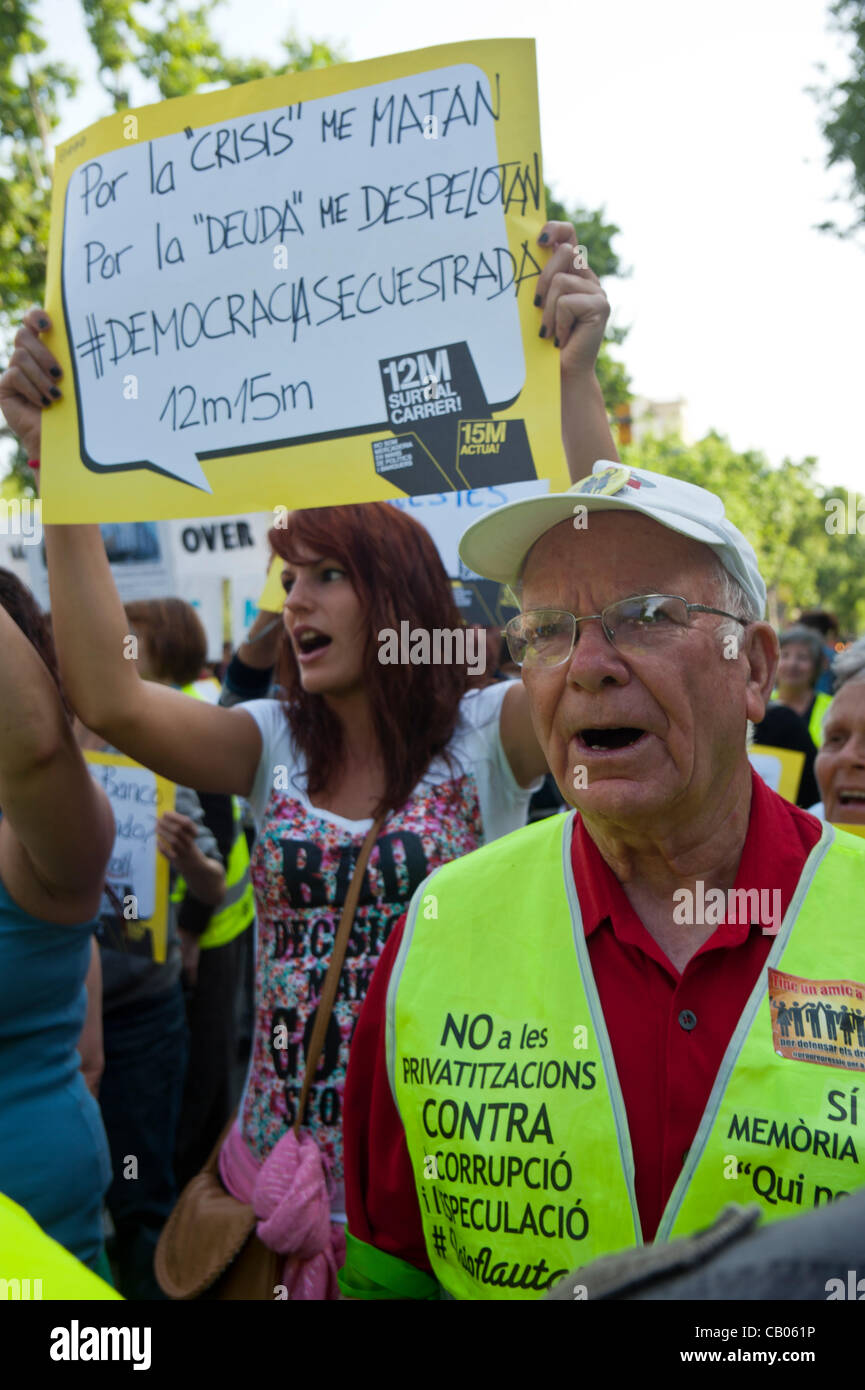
<point>496,546</point>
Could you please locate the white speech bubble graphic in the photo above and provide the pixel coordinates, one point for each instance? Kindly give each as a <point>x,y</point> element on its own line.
<point>251,274</point>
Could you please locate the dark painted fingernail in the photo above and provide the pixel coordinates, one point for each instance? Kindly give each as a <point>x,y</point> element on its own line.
<point>543,238</point>
<point>537,301</point>
<point>543,332</point>
<point>43,323</point>
<point>56,372</point>
<point>556,342</point>
<point>45,400</point>
<point>56,394</point>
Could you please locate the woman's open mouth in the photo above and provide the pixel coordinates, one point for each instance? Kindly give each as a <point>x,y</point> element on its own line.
<point>309,644</point>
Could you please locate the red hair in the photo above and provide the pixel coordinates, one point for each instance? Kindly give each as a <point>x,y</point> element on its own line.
<point>396,572</point>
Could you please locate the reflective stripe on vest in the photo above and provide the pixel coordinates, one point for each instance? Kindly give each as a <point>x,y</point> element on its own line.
<point>502,1071</point>
<point>237,908</point>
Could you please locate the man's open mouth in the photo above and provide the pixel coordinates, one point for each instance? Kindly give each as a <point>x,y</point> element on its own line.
<point>600,740</point>
<point>849,798</point>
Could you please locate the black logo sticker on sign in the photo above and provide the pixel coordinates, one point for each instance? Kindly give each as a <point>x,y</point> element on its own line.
<point>445,436</point>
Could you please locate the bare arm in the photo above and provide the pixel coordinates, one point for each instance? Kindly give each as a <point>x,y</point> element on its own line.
<point>189,741</point>
<point>205,878</point>
<point>574,315</point>
<point>177,837</point>
<point>57,828</point>
<point>250,671</point>
<point>519,739</point>
<point>585,429</point>
<point>90,1044</point>
<point>261,647</point>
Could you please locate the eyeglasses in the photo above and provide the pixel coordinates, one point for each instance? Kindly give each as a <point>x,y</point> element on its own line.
<point>547,636</point>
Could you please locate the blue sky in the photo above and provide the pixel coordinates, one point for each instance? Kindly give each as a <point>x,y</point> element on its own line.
<point>690,123</point>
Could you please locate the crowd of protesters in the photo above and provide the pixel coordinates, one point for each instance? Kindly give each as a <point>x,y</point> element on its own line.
<point>120,1073</point>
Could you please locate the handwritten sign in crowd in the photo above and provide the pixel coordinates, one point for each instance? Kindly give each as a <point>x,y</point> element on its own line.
<point>137,873</point>
<point>305,290</point>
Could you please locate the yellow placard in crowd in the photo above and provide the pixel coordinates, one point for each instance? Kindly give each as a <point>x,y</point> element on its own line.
<point>273,595</point>
<point>137,872</point>
<point>780,768</point>
<point>311,289</point>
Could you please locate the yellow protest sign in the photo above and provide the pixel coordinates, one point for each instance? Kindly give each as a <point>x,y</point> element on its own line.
<point>137,873</point>
<point>312,289</point>
<point>780,768</point>
<point>273,595</point>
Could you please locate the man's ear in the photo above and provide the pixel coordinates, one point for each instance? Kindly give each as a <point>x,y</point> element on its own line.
<point>761,651</point>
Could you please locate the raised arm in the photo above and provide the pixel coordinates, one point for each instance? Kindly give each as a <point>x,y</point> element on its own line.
<point>57,828</point>
<point>519,740</point>
<point>574,315</point>
<point>188,741</point>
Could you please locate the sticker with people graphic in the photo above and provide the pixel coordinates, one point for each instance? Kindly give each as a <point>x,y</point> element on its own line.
<point>818,1020</point>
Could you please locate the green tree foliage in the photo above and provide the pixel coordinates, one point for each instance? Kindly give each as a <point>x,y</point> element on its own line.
<point>31,92</point>
<point>169,45</point>
<point>784,514</point>
<point>174,47</point>
<point>843,118</point>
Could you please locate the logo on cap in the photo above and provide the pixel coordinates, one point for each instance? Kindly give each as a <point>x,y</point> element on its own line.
<point>604,483</point>
<point>608,481</point>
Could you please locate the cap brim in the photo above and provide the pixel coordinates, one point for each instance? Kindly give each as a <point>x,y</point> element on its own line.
<point>496,546</point>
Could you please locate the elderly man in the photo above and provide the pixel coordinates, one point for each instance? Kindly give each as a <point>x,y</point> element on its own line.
<point>573,1045</point>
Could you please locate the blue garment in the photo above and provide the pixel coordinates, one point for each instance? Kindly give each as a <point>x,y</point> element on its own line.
<point>141,1093</point>
<point>54,1158</point>
<point>826,682</point>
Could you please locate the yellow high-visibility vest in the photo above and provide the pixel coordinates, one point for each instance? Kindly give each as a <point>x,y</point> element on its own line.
<point>502,1071</point>
<point>237,909</point>
<point>818,713</point>
<point>33,1266</point>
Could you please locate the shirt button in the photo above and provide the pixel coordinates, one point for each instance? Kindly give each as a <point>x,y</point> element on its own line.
<point>687,1020</point>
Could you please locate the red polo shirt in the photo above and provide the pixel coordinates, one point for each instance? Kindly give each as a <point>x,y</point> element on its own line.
<point>668,1032</point>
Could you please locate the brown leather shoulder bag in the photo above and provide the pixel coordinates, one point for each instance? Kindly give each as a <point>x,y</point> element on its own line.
<point>208,1248</point>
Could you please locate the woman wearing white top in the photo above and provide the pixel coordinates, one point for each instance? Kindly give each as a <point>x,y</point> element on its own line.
<point>353,738</point>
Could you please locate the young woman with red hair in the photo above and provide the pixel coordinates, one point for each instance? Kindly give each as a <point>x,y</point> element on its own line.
<point>351,737</point>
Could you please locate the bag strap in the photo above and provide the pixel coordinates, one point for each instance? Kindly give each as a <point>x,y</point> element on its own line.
<point>331,979</point>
